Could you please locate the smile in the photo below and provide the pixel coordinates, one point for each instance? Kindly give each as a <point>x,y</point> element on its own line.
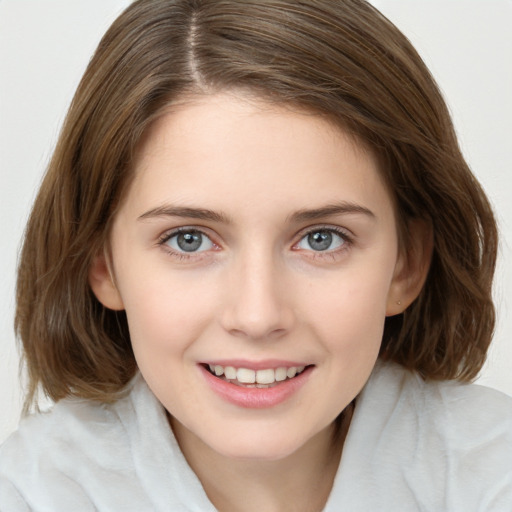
<point>267,385</point>
<point>263,378</point>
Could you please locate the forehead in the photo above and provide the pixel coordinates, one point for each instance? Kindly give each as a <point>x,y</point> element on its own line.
<point>240,151</point>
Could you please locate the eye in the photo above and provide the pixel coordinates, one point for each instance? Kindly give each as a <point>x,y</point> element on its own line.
<point>321,240</point>
<point>189,241</point>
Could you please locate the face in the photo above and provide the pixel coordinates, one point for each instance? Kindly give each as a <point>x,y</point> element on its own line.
<point>256,258</point>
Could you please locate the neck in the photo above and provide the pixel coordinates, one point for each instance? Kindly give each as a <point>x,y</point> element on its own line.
<point>301,481</point>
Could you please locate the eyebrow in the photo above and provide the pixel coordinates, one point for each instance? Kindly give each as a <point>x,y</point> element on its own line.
<point>181,211</point>
<point>342,208</point>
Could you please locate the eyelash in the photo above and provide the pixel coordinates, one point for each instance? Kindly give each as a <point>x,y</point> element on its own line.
<point>347,242</point>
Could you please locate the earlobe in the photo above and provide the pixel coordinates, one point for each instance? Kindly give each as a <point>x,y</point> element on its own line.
<point>102,283</point>
<point>411,269</point>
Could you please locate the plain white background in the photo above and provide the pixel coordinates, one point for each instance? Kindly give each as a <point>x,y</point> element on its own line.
<point>45,46</point>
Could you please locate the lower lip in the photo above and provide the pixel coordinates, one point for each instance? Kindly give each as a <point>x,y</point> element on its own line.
<point>256,398</point>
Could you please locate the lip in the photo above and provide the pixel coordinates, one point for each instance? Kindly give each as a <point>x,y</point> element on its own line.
<point>255,398</point>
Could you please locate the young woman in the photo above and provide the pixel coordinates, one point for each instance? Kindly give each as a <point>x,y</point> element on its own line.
<point>257,276</point>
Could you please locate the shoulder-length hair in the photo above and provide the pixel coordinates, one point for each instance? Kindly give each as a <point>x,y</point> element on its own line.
<point>337,58</point>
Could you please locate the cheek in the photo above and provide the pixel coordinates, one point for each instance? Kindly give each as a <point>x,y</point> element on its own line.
<point>349,322</point>
<point>166,312</point>
<point>350,310</point>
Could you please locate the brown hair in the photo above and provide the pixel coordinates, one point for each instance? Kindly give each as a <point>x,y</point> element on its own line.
<point>337,58</point>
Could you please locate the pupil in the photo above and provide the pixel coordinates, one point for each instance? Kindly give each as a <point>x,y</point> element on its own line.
<point>320,241</point>
<point>189,242</point>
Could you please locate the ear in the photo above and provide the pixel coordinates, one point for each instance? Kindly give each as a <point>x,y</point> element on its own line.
<point>411,268</point>
<point>102,283</point>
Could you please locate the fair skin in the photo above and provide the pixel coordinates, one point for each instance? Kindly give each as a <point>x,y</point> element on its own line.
<point>287,258</point>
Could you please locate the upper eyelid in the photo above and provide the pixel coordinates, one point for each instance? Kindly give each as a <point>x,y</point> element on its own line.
<point>169,233</point>
<point>325,227</point>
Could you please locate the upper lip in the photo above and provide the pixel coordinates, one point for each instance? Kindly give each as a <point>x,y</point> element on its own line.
<point>256,365</point>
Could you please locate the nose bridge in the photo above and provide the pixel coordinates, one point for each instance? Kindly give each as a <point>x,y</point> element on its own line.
<point>257,306</point>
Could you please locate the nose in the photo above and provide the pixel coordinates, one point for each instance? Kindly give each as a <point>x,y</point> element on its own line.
<point>257,304</point>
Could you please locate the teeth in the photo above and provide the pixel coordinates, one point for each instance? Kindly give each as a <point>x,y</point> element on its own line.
<point>291,372</point>
<point>230,373</point>
<point>259,378</point>
<point>280,374</point>
<point>265,376</point>
<point>245,376</point>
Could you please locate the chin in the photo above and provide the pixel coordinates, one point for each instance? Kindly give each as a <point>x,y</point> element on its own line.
<point>259,445</point>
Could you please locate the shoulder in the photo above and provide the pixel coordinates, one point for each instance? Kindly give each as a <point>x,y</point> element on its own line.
<point>433,445</point>
<point>85,456</point>
<point>462,421</point>
<point>71,423</point>
<point>456,413</point>
<point>62,454</point>
<point>447,403</point>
